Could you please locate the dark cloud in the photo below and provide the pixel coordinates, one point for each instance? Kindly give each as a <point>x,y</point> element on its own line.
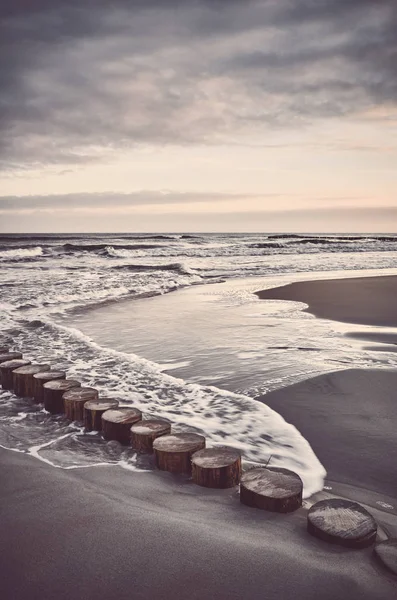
<point>108,200</point>
<point>80,79</point>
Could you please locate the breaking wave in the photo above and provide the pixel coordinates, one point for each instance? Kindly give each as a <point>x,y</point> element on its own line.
<point>21,253</point>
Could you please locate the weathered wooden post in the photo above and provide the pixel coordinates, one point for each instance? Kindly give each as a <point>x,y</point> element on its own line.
<point>6,369</point>
<point>217,467</point>
<point>23,379</point>
<point>342,522</point>
<point>271,488</point>
<point>173,453</point>
<point>53,392</point>
<point>39,379</point>
<point>93,411</point>
<point>75,399</point>
<point>116,424</point>
<point>6,356</point>
<point>144,433</point>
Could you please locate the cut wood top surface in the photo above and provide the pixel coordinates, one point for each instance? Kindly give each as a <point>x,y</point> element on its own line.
<point>124,414</point>
<point>150,426</point>
<point>14,364</point>
<point>101,404</point>
<point>62,384</point>
<point>178,442</point>
<point>272,482</point>
<point>48,374</point>
<point>216,458</point>
<point>31,369</point>
<point>342,519</point>
<point>80,394</point>
<point>10,356</point>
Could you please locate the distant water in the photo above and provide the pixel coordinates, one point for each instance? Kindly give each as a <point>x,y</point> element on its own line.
<point>49,282</point>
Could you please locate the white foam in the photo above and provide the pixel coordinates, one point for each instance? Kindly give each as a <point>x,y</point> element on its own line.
<point>21,253</point>
<point>221,416</point>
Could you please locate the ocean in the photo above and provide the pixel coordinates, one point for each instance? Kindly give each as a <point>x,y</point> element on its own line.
<point>170,324</point>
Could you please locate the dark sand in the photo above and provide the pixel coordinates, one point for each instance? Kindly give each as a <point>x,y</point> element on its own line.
<point>103,533</point>
<point>350,420</point>
<point>362,300</point>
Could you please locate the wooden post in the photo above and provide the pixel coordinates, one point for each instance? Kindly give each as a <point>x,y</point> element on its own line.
<point>342,522</point>
<point>116,424</point>
<point>173,453</point>
<point>75,399</point>
<point>271,488</point>
<point>93,411</point>
<point>6,356</point>
<point>53,392</point>
<point>6,369</point>
<point>144,433</point>
<point>39,379</point>
<point>23,379</point>
<point>217,467</point>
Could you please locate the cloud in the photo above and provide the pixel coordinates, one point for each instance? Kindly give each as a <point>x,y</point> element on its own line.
<point>81,80</point>
<point>109,200</point>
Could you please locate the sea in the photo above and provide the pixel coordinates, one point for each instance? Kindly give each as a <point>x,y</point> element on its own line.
<point>170,323</point>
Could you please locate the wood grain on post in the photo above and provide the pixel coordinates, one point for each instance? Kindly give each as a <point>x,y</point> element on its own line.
<point>173,453</point>
<point>271,488</point>
<point>217,467</point>
<point>342,522</point>
<point>6,356</point>
<point>144,433</point>
<point>93,411</point>
<point>116,423</point>
<point>75,399</point>
<point>23,379</point>
<point>6,369</point>
<point>39,379</point>
<point>53,392</point>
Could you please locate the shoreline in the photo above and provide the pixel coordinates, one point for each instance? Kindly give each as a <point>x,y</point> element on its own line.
<point>349,416</point>
<point>349,419</point>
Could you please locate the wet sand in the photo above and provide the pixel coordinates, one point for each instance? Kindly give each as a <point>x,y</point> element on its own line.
<point>350,420</point>
<point>105,533</point>
<point>362,300</point>
<point>348,417</point>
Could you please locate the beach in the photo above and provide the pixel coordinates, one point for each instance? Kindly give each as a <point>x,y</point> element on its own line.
<point>349,417</point>
<point>361,300</point>
<point>106,531</point>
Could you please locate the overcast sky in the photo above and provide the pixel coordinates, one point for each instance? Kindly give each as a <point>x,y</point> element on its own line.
<point>198,115</point>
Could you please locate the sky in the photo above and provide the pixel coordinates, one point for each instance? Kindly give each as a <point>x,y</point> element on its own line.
<point>198,115</point>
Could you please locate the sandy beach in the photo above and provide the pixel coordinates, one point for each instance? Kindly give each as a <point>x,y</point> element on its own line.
<point>105,533</point>
<point>362,300</point>
<point>349,417</point>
